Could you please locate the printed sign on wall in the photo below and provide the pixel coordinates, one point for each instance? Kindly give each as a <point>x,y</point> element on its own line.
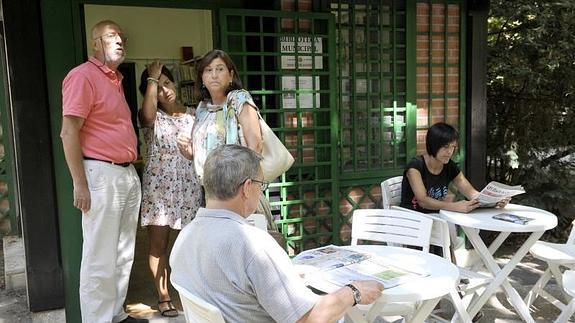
<point>305,45</point>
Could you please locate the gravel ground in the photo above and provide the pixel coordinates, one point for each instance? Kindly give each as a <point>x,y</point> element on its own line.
<point>13,304</point>
<point>14,308</point>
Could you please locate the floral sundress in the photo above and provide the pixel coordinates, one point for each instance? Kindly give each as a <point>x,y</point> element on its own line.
<point>171,193</point>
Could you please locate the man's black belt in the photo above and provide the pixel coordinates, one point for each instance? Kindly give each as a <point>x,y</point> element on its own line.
<point>126,164</point>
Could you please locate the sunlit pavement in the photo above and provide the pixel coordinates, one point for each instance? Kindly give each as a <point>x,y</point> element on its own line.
<point>142,299</point>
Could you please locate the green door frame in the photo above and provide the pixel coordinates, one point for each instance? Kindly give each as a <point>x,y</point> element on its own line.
<point>7,163</point>
<point>64,48</point>
<point>63,27</point>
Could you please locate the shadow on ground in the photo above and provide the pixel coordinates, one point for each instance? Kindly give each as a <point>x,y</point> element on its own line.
<point>142,299</point>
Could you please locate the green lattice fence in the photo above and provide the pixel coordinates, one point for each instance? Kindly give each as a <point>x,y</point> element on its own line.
<point>351,94</point>
<point>284,60</point>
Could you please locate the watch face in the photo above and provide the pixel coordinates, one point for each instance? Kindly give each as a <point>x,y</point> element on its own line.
<point>357,296</point>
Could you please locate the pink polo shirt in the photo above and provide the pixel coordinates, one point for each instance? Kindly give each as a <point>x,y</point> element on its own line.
<point>93,91</point>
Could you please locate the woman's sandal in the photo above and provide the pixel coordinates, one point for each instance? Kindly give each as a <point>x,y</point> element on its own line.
<point>170,311</point>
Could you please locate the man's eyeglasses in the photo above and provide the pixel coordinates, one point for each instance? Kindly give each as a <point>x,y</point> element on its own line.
<point>264,185</point>
<point>113,36</point>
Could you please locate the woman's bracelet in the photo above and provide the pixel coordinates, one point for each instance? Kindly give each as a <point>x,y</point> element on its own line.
<point>151,79</point>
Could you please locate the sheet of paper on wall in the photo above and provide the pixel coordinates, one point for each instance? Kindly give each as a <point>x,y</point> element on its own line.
<point>307,92</point>
<point>305,45</point>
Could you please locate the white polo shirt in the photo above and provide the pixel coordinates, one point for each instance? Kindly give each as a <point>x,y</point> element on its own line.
<point>238,268</point>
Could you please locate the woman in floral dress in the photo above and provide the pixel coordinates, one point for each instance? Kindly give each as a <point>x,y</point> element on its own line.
<point>171,193</point>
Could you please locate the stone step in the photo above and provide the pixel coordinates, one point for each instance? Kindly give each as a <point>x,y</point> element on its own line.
<point>14,262</point>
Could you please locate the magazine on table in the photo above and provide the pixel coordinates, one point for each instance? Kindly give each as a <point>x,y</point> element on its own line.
<point>341,266</point>
<point>495,192</point>
<point>508,217</point>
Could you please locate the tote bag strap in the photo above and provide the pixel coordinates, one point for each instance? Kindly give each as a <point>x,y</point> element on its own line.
<point>230,114</point>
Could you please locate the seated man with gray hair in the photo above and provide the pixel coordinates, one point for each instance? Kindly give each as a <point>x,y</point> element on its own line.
<point>239,268</point>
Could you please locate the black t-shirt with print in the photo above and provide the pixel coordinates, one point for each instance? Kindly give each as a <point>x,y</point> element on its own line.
<point>435,185</point>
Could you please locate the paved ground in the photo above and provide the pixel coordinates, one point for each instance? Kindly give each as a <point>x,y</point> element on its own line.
<point>13,304</point>
<point>141,300</point>
<point>498,309</point>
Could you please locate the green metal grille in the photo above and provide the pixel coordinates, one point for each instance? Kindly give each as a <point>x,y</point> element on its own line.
<point>9,219</point>
<point>371,73</point>
<point>284,60</point>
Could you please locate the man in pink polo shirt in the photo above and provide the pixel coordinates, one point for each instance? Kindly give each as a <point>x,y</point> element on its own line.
<point>100,146</point>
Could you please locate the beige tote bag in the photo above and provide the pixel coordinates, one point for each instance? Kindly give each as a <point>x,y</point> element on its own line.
<point>276,158</point>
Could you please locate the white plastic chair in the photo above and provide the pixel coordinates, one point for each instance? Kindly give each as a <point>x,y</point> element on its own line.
<point>196,310</point>
<point>391,197</point>
<point>258,220</point>
<point>440,238</point>
<point>391,191</point>
<point>393,227</point>
<point>556,255</point>
<point>569,287</point>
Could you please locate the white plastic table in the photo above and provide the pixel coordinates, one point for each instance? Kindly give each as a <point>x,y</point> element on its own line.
<point>442,280</point>
<point>482,219</point>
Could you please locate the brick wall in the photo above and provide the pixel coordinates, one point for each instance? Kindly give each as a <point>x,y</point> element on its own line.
<point>437,59</point>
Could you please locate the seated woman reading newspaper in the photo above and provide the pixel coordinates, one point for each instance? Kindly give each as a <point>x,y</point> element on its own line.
<point>427,178</point>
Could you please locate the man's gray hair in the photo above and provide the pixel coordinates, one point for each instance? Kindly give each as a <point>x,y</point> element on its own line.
<point>101,24</point>
<point>226,168</point>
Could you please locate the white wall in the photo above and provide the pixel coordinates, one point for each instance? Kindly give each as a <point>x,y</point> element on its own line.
<point>154,33</point>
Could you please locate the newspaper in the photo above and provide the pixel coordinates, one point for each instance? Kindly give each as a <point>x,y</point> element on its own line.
<point>342,266</point>
<point>495,192</point>
<point>329,257</point>
<point>374,268</point>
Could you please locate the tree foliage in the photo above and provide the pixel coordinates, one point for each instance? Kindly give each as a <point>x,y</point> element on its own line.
<point>531,100</point>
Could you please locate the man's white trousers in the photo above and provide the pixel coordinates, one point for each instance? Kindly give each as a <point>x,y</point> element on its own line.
<point>109,232</point>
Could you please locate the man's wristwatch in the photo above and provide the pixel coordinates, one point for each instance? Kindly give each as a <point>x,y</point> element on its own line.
<point>356,294</point>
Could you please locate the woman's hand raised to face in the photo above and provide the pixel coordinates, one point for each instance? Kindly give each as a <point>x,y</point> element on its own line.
<point>147,113</point>
<point>155,69</point>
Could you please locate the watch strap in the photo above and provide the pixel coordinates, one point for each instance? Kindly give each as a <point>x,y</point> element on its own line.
<point>356,294</point>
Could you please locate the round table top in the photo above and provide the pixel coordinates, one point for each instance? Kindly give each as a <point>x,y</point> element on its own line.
<point>443,275</point>
<point>482,218</point>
